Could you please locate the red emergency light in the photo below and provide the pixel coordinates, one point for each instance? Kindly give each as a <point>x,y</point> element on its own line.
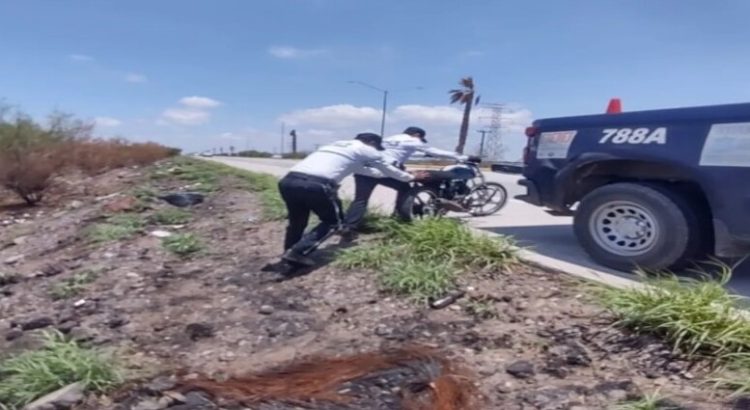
<point>615,106</point>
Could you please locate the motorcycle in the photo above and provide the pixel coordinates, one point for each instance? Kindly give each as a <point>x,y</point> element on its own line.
<point>460,187</point>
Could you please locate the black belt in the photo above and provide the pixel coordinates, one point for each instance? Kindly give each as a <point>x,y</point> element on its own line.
<point>313,178</point>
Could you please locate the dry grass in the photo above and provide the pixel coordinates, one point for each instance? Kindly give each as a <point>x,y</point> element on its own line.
<point>319,380</point>
<point>32,153</point>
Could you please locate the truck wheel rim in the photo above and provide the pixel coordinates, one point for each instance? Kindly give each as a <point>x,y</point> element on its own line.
<point>624,228</point>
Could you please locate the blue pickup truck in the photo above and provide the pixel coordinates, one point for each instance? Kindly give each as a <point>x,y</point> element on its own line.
<point>651,189</point>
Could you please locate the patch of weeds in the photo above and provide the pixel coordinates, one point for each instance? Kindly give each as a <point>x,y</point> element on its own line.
<point>170,216</point>
<point>182,244</point>
<point>9,278</point>
<point>482,307</point>
<point>420,280</point>
<point>697,317</point>
<point>649,402</point>
<point>57,364</point>
<point>116,227</point>
<point>145,194</point>
<point>423,259</point>
<point>73,286</point>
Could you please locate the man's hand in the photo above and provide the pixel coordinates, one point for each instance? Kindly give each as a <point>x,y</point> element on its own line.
<point>420,175</point>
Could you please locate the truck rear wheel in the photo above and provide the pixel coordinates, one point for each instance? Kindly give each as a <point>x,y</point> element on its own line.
<point>627,225</point>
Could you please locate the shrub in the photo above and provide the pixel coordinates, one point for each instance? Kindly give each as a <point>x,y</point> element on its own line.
<point>29,158</point>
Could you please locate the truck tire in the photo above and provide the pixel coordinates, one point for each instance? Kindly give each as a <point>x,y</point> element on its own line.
<point>628,225</point>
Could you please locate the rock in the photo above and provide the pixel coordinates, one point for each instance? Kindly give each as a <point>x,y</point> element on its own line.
<point>504,388</point>
<point>67,327</point>
<point>79,303</point>
<point>266,309</point>
<point>82,334</point>
<point>160,384</point>
<point>199,331</point>
<point>13,259</point>
<point>18,241</point>
<point>160,233</point>
<point>150,404</point>
<point>521,369</point>
<point>52,270</point>
<point>382,330</point>
<point>37,323</point>
<point>117,321</point>
<point>62,398</point>
<point>555,398</point>
<point>571,353</point>
<point>741,403</point>
<point>13,334</point>
<point>75,204</point>
<point>183,199</point>
<point>668,404</point>
<point>121,204</point>
<point>616,391</point>
<point>198,400</point>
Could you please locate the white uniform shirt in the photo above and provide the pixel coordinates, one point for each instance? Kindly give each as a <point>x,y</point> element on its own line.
<point>338,160</point>
<point>400,147</point>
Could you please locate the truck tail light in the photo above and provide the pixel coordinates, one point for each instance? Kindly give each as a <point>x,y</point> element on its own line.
<point>530,133</point>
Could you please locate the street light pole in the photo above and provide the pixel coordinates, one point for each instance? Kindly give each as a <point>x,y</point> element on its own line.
<point>382,120</point>
<point>481,144</point>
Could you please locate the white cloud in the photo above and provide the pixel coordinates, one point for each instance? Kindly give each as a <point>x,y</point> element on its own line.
<point>332,116</point>
<point>81,58</point>
<point>135,78</point>
<point>107,122</point>
<point>186,116</point>
<point>325,124</point>
<point>199,102</point>
<point>288,52</point>
<point>194,111</point>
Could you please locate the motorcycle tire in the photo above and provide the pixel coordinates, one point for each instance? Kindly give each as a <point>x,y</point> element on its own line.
<point>495,189</point>
<point>419,202</point>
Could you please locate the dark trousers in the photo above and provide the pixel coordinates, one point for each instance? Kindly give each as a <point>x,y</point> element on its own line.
<point>364,186</point>
<point>304,194</point>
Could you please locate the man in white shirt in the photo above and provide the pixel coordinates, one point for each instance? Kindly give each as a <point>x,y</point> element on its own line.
<point>398,149</point>
<point>312,185</point>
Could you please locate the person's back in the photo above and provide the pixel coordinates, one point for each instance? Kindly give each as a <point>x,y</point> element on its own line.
<point>337,160</point>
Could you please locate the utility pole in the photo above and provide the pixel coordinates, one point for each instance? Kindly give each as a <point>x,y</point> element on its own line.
<point>481,143</point>
<point>294,141</point>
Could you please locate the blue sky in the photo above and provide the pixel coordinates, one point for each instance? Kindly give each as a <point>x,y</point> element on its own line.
<point>204,74</point>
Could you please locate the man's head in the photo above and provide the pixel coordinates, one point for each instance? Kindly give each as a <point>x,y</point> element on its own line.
<point>373,140</point>
<point>416,132</point>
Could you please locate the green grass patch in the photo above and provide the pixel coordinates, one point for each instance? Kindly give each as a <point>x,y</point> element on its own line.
<point>182,244</point>
<point>698,317</point>
<point>170,216</point>
<point>649,402</point>
<point>116,227</point>
<point>423,259</point>
<point>73,286</point>
<point>57,364</point>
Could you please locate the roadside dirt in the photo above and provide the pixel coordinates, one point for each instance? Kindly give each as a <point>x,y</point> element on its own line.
<point>528,338</point>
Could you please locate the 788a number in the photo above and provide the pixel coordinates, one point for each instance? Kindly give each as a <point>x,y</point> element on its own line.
<point>634,136</point>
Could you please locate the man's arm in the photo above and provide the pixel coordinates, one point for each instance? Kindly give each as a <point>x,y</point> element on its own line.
<point>439,153</point>
<point>376,161</point>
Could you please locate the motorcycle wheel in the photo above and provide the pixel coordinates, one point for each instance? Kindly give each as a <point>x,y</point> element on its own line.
<point>420,202</point>
<point>486,199</point>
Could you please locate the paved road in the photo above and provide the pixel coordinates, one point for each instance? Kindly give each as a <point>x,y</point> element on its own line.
<point>549,239</point>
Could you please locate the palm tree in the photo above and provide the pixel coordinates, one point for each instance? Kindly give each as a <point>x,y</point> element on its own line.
<point>466,96</point>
